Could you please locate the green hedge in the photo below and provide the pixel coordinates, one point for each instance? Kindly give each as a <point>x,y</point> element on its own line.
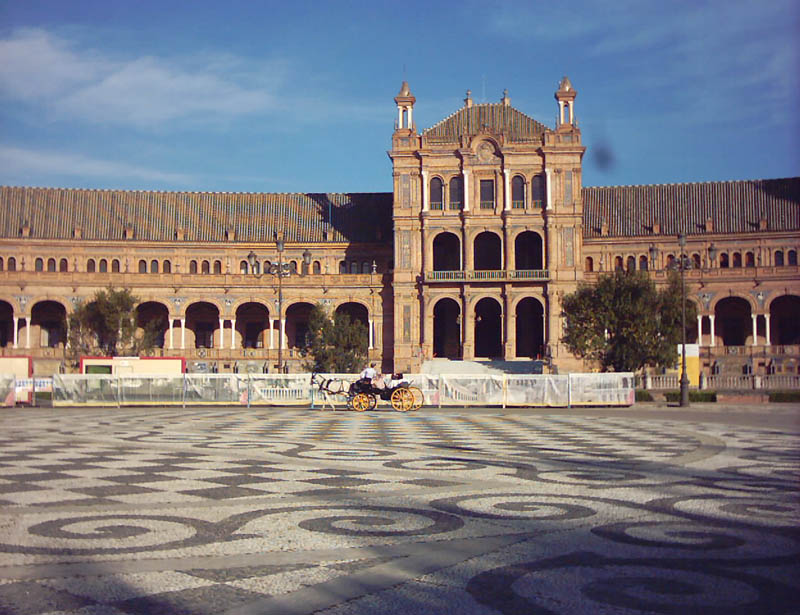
<point>642,395</point>
<point>697,396</point>
<point>784,396</point>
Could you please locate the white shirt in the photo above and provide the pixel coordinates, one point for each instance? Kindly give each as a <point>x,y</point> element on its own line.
<point>369,373</point>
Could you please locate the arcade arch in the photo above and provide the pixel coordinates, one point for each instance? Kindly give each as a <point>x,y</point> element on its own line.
<point>447,329</point>
<point>152,315</point>
<point>446,252</point>
<point>529,328</point>
<point>487,251</point>
<point>488,328</point>
<point>528,251</point>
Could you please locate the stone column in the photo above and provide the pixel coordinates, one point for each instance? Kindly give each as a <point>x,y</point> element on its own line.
<point>766,331</point>
<point>755,330</point>
<point>183,333</point>
<point>233,334</point>
<point>15,318</point>
<point>468,330</point>
<point>27,332</point>
<point>465,172</point>
<point>221,334</point>
<point>506,193</point>
<point>171,326</point>
<point>371,335</point>
<point>700,329</point>
<point>425,192</point>
<point>713,335</point>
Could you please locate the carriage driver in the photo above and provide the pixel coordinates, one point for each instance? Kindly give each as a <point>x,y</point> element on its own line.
<point>369,373</point>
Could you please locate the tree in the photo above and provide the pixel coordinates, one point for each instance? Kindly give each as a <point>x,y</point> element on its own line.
<point>107,325</point>
<point>338,345</point>
<point>624,323</point>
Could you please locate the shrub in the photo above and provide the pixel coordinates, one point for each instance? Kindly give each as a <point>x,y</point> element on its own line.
<point>784,396</point>
<point>642,395</point>
<point>697,396</point>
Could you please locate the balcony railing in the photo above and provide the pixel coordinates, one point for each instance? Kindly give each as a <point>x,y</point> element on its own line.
<point>488,275</point>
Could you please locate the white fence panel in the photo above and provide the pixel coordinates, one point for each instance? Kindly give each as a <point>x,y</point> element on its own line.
<point>472,390</point>
<point>778,382</point>
<point>537,390</point>
<point>8,390</point>
<point>85,390</point>
<point>150,390</point>
<point>280,389</point>
<point>603,389</point>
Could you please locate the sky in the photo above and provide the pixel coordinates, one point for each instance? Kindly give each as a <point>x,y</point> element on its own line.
<point>276,96</point>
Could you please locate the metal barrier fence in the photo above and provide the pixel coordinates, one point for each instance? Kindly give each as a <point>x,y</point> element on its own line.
<point>296,389</point>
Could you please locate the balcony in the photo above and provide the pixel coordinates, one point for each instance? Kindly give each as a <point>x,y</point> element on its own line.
<point>496,275</point>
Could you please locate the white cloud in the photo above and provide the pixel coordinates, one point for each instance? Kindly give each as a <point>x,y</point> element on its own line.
<point>144,91</point>
<point>18,162</point>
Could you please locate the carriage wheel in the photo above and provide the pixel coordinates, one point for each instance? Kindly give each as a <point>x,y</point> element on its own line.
<point>419,398</point>
<point>373,402</point>
<point>402,399</point>
<point>361,402</point>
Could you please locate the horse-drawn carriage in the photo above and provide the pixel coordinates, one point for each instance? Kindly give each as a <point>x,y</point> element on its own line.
<point>363,394</point>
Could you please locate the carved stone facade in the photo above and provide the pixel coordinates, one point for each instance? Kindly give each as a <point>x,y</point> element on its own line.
<point>487,226</point>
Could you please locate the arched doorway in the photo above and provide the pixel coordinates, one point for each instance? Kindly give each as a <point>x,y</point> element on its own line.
<point>446,252</point>
<point>487,251</point>
<point>252,325</point>
<point>530,328</point>
<point>528,253</point>
<point>356,311</point>
<point>733,322</point>
<point>784,321</point>
<point>50,317</point>
<point>152,320</point>
<point>447,329</point>
<point>297,325</point>
<point>202,319</point>
<point>488,328</point>
<point>6,324</point>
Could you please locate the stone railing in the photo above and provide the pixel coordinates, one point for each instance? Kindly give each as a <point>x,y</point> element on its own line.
<point>488,275</point>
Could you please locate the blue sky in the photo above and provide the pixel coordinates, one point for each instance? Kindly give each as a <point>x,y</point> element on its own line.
<point>298,96</point>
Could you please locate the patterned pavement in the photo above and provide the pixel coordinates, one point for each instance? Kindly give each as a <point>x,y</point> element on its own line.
<point>242,512</point>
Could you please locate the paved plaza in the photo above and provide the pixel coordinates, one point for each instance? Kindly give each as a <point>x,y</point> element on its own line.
<point>236,511</point>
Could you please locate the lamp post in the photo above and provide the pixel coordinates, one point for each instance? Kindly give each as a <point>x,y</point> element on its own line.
<point>684,383</point>
<point>280,270</point>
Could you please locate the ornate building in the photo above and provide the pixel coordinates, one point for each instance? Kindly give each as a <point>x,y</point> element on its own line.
<point>487,226</point>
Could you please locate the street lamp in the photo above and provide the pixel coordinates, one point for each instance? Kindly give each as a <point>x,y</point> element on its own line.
<point>683,264</point>
<point>280,270</point>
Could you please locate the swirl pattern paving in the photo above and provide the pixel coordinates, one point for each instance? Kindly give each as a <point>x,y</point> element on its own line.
<point>243,511</point>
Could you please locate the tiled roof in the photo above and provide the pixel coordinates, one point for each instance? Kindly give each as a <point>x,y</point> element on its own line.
<point>495,117</point>
<point>732,206</point>
<point>54,213</point>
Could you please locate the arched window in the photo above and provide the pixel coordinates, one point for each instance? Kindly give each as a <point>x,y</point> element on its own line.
<point>778,258</point>
<point>618,263</point>
<point>115,266</point>
<point>39,264</point>
<point>670,261</point>
<point>293,267</point>
<point>643,262</point>
<point>342,267</point>
<point>1,263</point>
<point>142,266</point>
<point>63,265</point>
<point>154,266</point>
<point>437,194</point>
<point>206,267</point>
<point>90,266</point>
<point>537,191</point>
<point>749,260</point>
<point>696,260</point>
<point>630,265</point>
<point>589,264</point>
<point>243,267</point>
<point>354,267</point>
<point>317,268</point>
<point>167,267</point>
<point>217,267</point>
<point>737,259</point>
<point>51,265</point>
<point>518,192</point>
<point>456,192</point>
<point>792,257</point>
<point>723,260</point>
<point>365,267</point>
<point>103,266</point>
<point>193,267</point>
<point>12,263</point>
